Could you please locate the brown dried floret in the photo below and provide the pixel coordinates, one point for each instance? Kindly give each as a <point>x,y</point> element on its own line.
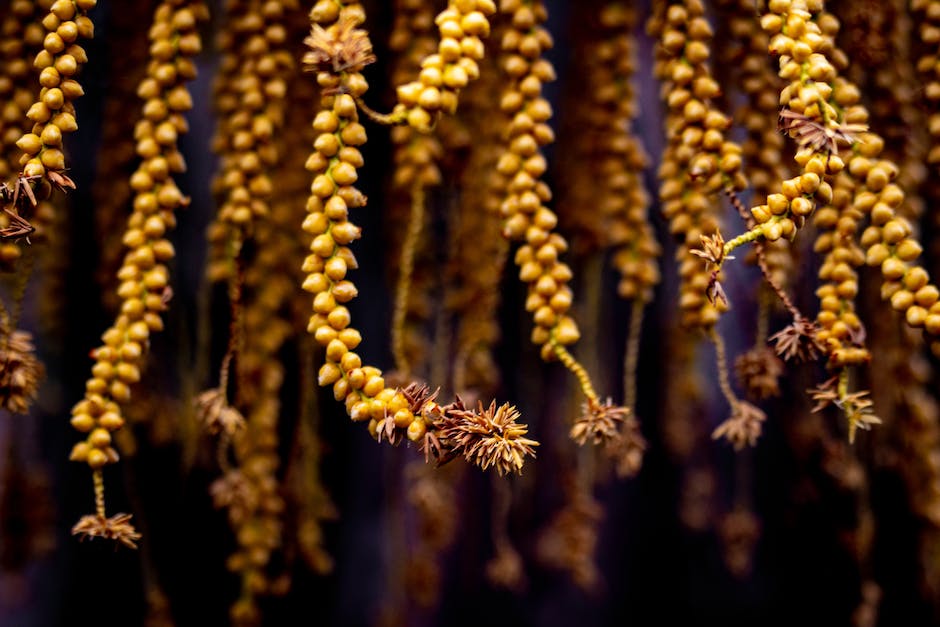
<point>712,251</point>
<point>600,423</point>
<point>743,427</point>
<point>216,415</point>
<point>824,394</point>
<point>418,396</point>
<point>488,436</point>
<point>759,371</point>
<point>798,340</point>
<point>340,48</point>
<point>20,371</point>
<point>856,406</point>
<point>118,528</point>
<point>810,133</point>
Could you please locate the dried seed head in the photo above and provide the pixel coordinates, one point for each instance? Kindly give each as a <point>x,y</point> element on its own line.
<point>798,340</point>
<point>340,48</point>
<point>743,427</point>
<point>216,415</point>
<point>20,371</point>
<point>488,436</point>
<point>759,371</point>
<point>600,423</point>
<point>118,528</point>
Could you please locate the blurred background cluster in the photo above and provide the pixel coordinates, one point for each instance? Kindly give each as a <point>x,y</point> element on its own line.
<point>612,139</point>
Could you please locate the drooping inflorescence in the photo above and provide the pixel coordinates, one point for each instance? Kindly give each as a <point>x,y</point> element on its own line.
<point>144,276</point>
<point>482,131</point>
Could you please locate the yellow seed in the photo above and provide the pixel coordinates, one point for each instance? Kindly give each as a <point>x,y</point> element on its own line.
<point>901,300</point>
<point>916,316</point>
<point>329,374</point>
<point>893,268</point>
<point>908,250</point>
<point>83,422</point>
<point>95,458</point>
<point>335,350</point>
<point>30,143</point>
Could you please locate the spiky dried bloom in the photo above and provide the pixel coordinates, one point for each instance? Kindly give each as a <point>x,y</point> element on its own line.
<point>489,436</point>
<point>599,422</point>
<point>856,406</point>
<point>743,427</point>
<point>758,371</point>
<point>342,47</point>
<point>20,371</point>
<point>712,250</point>
<point>117,528</point>
<point>216,415</point>
<point>819,136</point>
<point>797,341</point>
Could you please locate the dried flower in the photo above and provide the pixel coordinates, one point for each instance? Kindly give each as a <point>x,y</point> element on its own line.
<point>714,291</point>
<point>419,396</point>
<point>856,406</point>
<point>743,427</point>
<point>713,250</point>
<point>118,528</point>
<point>600,423</point>
<point>810,133</point>
<point>340,48</point>
<point>216,415</point>
<point>489,436</point>
<point>798,340</point>
<point>20,371</point>
<point>759,371</point>
<point>824,394</point>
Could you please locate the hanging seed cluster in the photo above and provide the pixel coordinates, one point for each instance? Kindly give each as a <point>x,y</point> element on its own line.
<point>334,164</point>
<point>144,277</point>
<point>888,240</point>
<point>810,92</point>
<point>462,27</point>
<point>749,67</point>
<point>624,201</point>
<point>251,101</point>
<point>524,211</point>
<point>929,66</point>
<point>698,162</point>
<point>22,35</point>
<point>58,63</point>
<point>840,329</point>
<point>117,159</point>
<point>22,39</point>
